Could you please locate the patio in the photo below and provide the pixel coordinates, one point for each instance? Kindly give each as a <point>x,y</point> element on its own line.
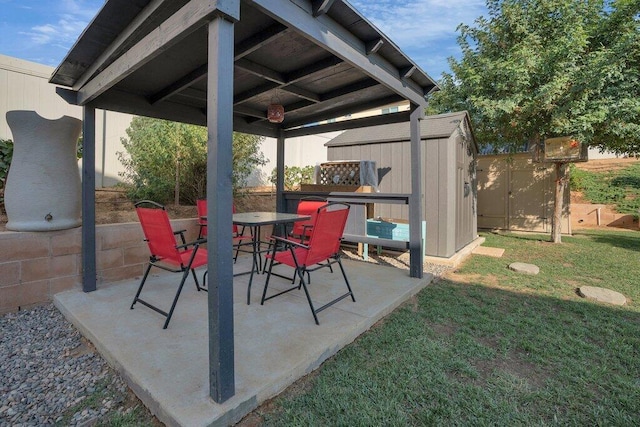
<point>275,344</point>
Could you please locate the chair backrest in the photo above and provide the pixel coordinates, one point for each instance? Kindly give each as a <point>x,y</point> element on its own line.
<point>307,207</point>
<point>328,228</point>
<point>158,233</point>
<point>201,206</point>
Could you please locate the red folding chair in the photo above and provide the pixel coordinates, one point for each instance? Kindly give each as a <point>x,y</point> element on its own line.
<point>323,245</point>
<point>201,206</point>
<point>302,230</point>
<point>166,252</point>
<point>239,239</point>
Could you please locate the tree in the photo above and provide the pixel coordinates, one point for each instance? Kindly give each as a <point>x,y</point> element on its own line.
<point>542,68</point>
<point>165,160</point>
<point>294,176</point>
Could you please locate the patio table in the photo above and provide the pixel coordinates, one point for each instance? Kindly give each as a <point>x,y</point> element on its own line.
<point>256,220</point>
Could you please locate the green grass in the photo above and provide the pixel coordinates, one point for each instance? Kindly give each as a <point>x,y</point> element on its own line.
<point>620,188</point>
<point>489,346</point>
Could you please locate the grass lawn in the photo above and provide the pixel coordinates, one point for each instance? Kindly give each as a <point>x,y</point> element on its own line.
<point>488,346</point>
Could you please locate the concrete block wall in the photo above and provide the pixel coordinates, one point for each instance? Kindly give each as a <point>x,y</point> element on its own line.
<point>34,266</point>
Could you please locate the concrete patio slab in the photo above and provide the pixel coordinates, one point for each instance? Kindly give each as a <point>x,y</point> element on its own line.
<point>275,344</point>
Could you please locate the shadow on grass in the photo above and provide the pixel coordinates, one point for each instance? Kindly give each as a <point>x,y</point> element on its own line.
<point>471,354</point>
<point>630,241</point>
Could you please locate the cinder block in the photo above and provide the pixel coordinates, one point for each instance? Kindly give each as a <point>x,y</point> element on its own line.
<point>9,273</point>
<point>26,294</point>
<point>107,259</point>
<point>138,255</point>
<point>19,246</point>
<point>64,265</point>
<point>35,269</point>
<point>120,273</point>
<point>60,284</point>
<point>67,243</point>
<point>111,236</point>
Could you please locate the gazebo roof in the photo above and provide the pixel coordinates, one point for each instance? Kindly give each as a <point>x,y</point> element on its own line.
<point>322,59</point>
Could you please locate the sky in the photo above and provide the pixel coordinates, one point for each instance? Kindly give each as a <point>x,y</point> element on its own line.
<point>43,31</point>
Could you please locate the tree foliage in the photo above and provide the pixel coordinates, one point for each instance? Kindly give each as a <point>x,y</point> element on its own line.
<point>166,161</point>
<point>294,176</point>
<point>540,68</point>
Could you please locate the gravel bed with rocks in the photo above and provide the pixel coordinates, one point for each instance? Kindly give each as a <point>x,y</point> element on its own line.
<point>47,370</point>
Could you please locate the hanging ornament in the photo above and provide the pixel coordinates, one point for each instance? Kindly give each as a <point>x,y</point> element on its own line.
<point>275,110</point>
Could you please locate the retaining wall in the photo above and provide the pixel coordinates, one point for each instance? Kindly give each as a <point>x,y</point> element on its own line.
<point>36,265</point>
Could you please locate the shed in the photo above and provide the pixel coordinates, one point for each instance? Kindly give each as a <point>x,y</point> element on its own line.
<point>448,178</point>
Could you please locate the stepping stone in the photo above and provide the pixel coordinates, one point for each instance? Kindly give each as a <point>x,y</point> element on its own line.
<point>602,295</point>
<point>521,267</point>
<point>486,250</point>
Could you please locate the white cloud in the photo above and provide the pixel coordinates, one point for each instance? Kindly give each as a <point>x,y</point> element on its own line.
<point>412,22</point>
<point>72,17</point>
<point>424,29</point>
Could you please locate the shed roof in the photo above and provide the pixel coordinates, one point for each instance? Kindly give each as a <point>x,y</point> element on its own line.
<point>321,59</point>
<point>431,127</point>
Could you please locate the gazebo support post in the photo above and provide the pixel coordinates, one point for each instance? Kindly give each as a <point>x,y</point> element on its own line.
<point>219,201</point>
<point>280,202</point>
<point>88,199</point>
<point>415,201</point>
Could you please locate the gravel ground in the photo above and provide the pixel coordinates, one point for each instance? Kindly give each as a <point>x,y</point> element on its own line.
<point>50,375</point>
<point>48,372</point>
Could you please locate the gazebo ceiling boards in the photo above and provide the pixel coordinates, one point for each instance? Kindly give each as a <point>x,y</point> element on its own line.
<point>321,59</point>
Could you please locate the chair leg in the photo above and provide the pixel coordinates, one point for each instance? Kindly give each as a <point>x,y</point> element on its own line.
<point>306,292</point>
<point>346,280</point>
<point>144,278</point>
<point>266,283</point>
<point>195,278</point>
<point>175,299</point>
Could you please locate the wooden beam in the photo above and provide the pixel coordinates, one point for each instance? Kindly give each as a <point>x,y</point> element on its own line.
<point>191,16</point>
<point>320,7</point>
<point>373,46</point>
<point>310,70</point>
<point>256,41</point>
<point>343,111</point>
<point>219,201</point>
<point>290,78</point>
<point>256,91</point>
<point>182,83</point>
<point>248,111</point>
<point>405,73</point>
<point>355,87</point>
<point>302,93</point>
<point>382,119</point>
<point>334,38</point>
<point>125,102</point>
<point>89,276</point>
<point>261,71</point>
<point>148,11</point>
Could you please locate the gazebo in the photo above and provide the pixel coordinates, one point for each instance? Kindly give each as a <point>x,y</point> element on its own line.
<point>221,63</point>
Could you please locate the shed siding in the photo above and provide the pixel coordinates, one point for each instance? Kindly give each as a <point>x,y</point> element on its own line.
<point>447,164</point>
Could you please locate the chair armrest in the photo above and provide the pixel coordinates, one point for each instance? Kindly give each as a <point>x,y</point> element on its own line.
<point>181,233</point>
<point>194,243</point>
<point>289,242</point>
